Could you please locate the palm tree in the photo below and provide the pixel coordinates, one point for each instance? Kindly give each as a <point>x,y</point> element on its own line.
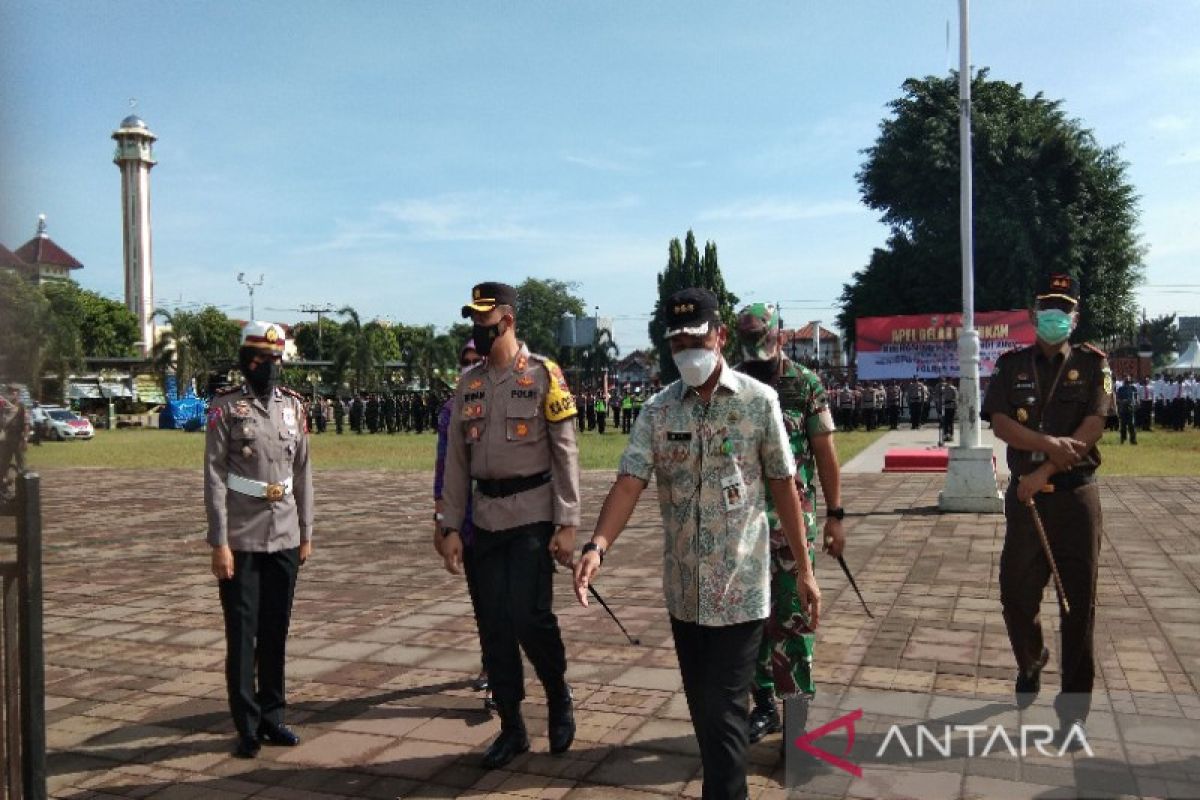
<point>604,351</point>
<point>360,349</point>
<point>175,348</point>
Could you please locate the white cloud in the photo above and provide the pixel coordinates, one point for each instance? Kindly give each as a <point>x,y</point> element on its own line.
<point>1170,123</point>
<point>782,210</point>
<point>597,163</point>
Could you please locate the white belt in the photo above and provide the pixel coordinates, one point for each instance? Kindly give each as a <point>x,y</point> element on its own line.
<point>271,491</point>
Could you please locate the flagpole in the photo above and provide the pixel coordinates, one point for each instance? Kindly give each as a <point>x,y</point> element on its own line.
<point>968,343</point>
<point>971,473</point>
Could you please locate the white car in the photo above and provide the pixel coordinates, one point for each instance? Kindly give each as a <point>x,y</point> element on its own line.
<point>63,424</point>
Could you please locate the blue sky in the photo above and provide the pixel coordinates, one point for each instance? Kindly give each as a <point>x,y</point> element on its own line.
<point>389,155</point>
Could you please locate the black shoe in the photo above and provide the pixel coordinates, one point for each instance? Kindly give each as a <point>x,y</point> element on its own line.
<point>247,747</point>
<point>764,718</point>
<point>280,735</point>
<point>1030,683</point>
<point>489,703</point>
<point>480,684</point>
<point>561,727</point>
<point>512,741</point>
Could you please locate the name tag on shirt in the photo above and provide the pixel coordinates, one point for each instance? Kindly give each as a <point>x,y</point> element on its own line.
<point>679,436</point>
<point>733,492</point>
<point>289,417</point>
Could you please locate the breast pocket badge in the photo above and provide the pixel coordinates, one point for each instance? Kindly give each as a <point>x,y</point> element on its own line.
<point>289,417</point>
<point>733,492</point>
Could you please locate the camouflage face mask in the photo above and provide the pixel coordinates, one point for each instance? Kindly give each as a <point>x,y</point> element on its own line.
<point>758,332</point>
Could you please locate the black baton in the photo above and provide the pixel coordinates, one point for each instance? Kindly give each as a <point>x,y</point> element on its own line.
<point>600,599</point>
<point>850,578</point>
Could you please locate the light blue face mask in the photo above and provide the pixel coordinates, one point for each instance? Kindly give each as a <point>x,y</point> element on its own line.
<point>1053,325</point>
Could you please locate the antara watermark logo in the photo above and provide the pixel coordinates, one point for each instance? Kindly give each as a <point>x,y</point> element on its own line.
<point>947,741</point>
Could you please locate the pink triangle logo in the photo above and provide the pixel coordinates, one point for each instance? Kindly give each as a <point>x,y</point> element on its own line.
<point>805,742</point>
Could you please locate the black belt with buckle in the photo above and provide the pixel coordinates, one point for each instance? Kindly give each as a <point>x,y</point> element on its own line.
<point>1072,480</point>
<point>506,487</point>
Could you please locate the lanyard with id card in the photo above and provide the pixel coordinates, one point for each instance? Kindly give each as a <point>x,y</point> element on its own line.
<point>1039,456</point>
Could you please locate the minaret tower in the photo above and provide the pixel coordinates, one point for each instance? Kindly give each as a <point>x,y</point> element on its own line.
<point>135,157</point>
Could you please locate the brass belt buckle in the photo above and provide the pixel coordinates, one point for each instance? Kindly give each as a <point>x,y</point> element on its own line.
<point>274,492</point>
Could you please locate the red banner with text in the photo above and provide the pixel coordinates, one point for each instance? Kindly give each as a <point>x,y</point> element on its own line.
<point>926,345</point>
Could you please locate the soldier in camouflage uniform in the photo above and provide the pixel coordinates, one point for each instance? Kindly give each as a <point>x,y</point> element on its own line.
<point>785,658</point>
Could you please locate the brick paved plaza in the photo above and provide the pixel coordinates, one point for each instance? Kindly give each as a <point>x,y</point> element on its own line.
<point>383,648</point>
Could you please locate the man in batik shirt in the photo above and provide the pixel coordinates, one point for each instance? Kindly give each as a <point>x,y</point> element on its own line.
<point>715,443</point>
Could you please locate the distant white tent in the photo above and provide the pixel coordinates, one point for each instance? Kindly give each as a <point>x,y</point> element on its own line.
<point>1189,361</point>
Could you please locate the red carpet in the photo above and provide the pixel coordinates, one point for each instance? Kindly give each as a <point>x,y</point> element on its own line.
<point>913,459</point>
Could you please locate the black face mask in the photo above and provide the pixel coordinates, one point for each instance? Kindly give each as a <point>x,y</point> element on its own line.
<point>262,377</point>
<point>764,371</point>
<point>484,337</point>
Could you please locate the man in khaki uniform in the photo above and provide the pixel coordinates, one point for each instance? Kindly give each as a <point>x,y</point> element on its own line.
<point>512,434</point>
<point>258,497</point>
<point>1048,402</point>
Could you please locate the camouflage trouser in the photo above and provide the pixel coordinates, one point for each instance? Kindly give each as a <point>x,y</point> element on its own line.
<point>786,655</point>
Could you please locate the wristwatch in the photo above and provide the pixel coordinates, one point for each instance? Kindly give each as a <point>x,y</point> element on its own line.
<point>447,531</point>
<point>836,513</point>
<point>589,547</point>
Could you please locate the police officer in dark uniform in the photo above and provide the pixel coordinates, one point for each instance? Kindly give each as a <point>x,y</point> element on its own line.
<point>259,502</point>
<point>1127,404</point>
<point>512,435</point>
<point>1048,402</point>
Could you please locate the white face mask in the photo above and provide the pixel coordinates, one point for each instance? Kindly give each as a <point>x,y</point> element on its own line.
<point>696,365</point>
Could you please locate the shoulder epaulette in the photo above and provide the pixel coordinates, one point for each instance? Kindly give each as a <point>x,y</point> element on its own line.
<point>227,390</point>
<point>1091,348</point>
<point>293,393</point>
<point>1013,350</point>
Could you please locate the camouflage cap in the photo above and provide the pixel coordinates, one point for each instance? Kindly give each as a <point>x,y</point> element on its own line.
<point>758,331</point>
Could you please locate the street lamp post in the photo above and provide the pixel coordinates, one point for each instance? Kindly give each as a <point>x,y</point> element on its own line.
<point>250,287</point>
<point>971,472</point>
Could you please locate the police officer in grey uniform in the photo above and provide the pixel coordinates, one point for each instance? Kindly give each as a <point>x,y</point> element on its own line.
<point>512,433</point>
<point>259,502</point>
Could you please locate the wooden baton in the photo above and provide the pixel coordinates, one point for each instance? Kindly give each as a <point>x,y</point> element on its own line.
<point>1041,531</point>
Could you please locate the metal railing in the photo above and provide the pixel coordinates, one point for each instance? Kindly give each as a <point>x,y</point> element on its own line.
<point>22,657</point>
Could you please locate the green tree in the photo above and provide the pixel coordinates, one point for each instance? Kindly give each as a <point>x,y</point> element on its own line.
<point>23,314</point>
<point>316,344</point>
<point>685,269</point>
<point>1048,198</point>
<point>362,350</point>
<point>1161,336</point>
<point>109,329</point>
<point>62,340</point>
<point>196,343</point>
<point>541,305</point>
